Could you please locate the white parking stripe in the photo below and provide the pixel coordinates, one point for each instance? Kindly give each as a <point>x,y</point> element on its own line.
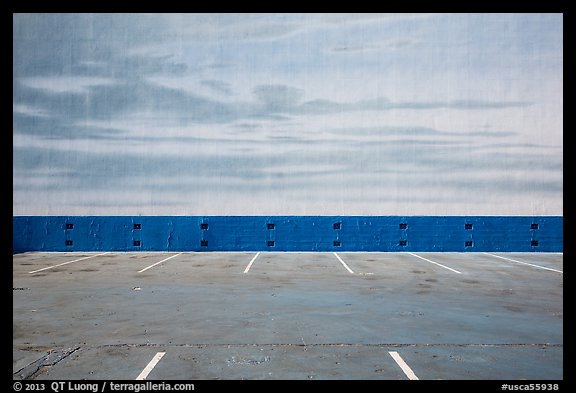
<point>65,263</point>
<point>435,263</point>
<point>524,263</point>
<point>400,362</point>
<point>159,262</point>
<point>150,366</point>
<point>251,262</point>
<point>344,263</point>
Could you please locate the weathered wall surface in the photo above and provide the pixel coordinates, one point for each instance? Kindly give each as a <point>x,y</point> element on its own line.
<point>373,118</point>
<point>288,114</point>
<point>287,233</point>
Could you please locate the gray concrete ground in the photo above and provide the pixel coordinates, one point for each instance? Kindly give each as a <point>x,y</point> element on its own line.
<point>288,315</point>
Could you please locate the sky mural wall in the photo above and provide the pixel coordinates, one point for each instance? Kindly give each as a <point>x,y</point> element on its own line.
<point>287,114</point>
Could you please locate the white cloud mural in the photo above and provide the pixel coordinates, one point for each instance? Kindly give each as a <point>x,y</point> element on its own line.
<point>287,114</point>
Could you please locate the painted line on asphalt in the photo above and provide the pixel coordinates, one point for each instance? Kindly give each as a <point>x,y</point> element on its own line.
<point>435,263</point>
<point>344,264</point>
<point>400,362</point>
<point>251,262</point>
<point>159,262</point>
<point>66,263</point>
<point>524,263</point>
<point>150,366</point>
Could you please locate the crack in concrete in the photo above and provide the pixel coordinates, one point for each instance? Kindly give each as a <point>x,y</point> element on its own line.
<point>303,345</point>
<point>32,369</point>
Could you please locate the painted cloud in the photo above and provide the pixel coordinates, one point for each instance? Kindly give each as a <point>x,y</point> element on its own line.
<point>241,114</point>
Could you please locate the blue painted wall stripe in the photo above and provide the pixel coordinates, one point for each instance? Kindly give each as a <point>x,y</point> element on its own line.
<point>288,233</point>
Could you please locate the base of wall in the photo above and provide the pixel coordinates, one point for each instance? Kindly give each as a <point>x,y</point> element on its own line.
<point>288,233</point>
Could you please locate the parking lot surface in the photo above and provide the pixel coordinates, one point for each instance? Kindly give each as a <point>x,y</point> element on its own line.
<point>284,315</point>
